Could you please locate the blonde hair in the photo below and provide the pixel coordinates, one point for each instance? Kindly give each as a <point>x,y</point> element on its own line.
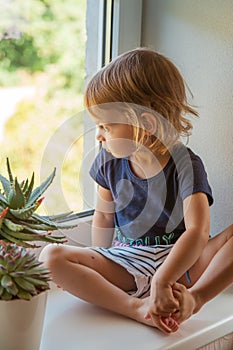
<point>147,79</point>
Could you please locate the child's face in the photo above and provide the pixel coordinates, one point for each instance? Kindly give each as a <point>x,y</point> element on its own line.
<point>117,138</point>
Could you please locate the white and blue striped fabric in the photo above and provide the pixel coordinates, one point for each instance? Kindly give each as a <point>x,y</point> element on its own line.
<point>140,261</point>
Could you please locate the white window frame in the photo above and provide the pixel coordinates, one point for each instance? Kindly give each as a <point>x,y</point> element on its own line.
<point>118,32</point>
<point>118,27</point>
<point>126,26</point>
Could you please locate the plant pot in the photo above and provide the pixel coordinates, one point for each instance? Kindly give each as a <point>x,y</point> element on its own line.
<point>21,323</point>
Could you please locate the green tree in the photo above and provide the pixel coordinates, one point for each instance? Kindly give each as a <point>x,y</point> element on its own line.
<point>53,41</point>
<point>49,54</point>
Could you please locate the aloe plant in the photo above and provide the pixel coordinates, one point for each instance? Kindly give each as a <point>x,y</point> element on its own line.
<point>21,274</point>
<point>19,223</point>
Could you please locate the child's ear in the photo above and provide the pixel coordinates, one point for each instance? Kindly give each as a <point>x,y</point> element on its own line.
<point>149,122</point>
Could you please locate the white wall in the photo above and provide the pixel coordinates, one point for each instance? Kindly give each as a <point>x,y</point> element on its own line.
<point>198,37</point>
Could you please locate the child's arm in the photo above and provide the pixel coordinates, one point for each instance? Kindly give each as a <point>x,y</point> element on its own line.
<point>184,254</point>
<point>103,220</point>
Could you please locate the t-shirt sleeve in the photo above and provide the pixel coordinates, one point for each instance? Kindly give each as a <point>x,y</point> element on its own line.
<point>98,170</point>
<point>193,177</point>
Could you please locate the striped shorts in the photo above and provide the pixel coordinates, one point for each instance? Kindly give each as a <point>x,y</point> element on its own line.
<point>140,261</point>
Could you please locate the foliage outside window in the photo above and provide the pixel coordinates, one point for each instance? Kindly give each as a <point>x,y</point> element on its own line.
<point>42,53</point>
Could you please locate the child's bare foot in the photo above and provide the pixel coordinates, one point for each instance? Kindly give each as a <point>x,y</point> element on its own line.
<point>171,323</point>
<point>186,302</point>
<point>165,324</point>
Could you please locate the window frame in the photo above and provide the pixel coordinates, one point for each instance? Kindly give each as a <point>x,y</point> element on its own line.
<point>118,27</point>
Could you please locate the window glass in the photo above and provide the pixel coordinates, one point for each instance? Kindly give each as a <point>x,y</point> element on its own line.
<point>42,70</point>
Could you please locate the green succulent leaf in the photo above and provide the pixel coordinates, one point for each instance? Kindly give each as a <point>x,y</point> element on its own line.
<point>3,200</point>
<point>24,186</point>
<point>19,223</point>
<point>25,276</point>
<point>41,189</point>
<point>1,290</point>
<point>29,189</point>
<point>58,216</point>
<point>22,294</point>
<point>9,171</point>
<point>11,198</point>
<point>6,281</point>
<point>11,239</point>
<point>21,262</point>
<point>12,226</point>
<point>12,289</point>
<point>15,198</point>
<point>25,285</point>
<point>19,194</point>
<point>3,270</point>
<point>37,282</point>
<point>19,235</point>
<point>56,225</point>
<point>6,184</point>
<point>6,295</point>
<point>65,225</point>
<point>24,213</point>
<point>36,227</point>
<point>43,220</point>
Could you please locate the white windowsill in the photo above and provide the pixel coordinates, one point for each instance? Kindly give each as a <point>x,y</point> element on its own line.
<point>74,324</point>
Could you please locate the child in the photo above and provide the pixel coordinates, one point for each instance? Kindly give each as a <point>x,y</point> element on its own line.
<point>153,195</point>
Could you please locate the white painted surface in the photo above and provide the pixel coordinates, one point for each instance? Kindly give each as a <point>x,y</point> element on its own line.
<point>76,325</point>
<point>198,37</point>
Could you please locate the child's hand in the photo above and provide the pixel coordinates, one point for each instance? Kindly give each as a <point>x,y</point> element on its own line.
<point>186,302</point>
<point>162,304</point>
<point>162,300</point>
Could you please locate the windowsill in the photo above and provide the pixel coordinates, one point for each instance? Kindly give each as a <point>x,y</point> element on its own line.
<point>74,324</point>
<point>71,323</point>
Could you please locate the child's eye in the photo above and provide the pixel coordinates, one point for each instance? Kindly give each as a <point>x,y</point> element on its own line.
<point>104,127</point>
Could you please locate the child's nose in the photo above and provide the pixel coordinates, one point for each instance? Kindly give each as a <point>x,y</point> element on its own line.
<point>100,137</point>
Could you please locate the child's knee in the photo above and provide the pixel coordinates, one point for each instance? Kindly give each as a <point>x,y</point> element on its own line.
<point>51,254</point>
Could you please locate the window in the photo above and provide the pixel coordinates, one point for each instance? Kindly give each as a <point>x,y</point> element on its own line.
<point>46,50</point>
<point>42,71</point>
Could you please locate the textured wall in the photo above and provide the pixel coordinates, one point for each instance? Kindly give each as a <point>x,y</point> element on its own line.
<point>198,37</point>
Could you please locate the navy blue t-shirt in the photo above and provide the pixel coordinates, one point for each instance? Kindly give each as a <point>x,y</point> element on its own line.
<point>150,211</point>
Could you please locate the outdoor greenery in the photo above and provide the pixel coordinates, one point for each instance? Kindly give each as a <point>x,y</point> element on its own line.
<point>45,53</point>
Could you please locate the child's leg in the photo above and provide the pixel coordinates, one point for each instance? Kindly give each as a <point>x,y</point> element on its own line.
<point>216,270</point>
<point>210,275</point>
<point>92,277</point>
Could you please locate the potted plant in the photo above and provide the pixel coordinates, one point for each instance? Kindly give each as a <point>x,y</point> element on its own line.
<point>23,281</point>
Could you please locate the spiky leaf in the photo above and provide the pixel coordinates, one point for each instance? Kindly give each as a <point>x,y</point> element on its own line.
<point>20,196</point>
<point>58,216</point>
<point>15,198</point>
<point>40,190</point>
<point>9,171</point>
<point>9,238</point>
<point>29,189</point>
<point>22,224</point>
<point>6,184</point>
<point>24,213</point>
<point>3,200</point>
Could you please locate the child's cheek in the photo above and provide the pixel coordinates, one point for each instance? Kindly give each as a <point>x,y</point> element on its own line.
<point>121,148</point>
